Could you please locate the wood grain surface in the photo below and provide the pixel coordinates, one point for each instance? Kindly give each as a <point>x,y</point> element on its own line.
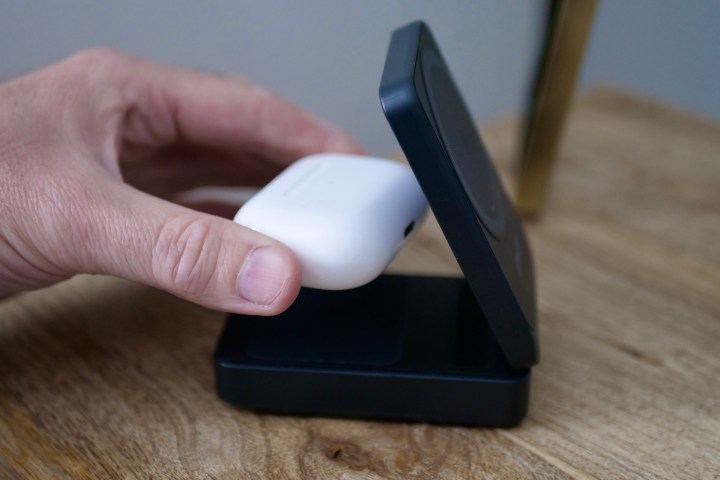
<point>102,378</point>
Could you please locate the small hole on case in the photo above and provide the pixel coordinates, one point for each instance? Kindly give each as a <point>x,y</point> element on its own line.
<point>409,228</point>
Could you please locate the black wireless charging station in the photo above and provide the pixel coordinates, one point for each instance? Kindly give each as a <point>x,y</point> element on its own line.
<point>434,349</point>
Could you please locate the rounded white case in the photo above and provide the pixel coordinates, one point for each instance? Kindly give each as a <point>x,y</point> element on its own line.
<point>344,216</point>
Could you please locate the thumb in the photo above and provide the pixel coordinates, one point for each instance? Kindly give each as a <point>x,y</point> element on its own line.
<point>199,257</point>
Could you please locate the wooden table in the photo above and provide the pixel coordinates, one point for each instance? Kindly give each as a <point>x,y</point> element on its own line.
<point>102,378</point>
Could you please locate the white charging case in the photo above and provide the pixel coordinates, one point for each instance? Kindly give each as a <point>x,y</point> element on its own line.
<point>344,216</point>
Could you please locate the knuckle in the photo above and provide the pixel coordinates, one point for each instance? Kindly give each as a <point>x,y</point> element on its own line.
<point>94,57</point>
<point>88,69</point>
<point>187,254</point>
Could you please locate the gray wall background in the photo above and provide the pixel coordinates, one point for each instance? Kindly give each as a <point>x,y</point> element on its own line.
<point>327,55</point>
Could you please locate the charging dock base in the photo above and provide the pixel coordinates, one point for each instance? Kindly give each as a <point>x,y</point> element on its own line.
<point>403,348</point>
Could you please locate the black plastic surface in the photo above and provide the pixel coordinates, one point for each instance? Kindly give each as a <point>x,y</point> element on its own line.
<point>399,348</point>
<point>439,138</point>
<point>444,350</point>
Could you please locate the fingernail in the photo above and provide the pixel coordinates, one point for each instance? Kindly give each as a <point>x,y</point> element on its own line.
<point>263,275</point>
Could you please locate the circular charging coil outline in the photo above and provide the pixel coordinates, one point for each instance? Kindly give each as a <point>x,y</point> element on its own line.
<point>460,139</point>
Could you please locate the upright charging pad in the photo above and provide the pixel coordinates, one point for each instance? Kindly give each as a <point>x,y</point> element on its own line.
<point>443,350</point>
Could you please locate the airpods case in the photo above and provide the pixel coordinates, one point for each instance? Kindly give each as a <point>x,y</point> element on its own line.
<point>344,216</point>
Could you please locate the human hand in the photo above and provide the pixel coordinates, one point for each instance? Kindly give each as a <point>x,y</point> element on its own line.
<point>88,147</point>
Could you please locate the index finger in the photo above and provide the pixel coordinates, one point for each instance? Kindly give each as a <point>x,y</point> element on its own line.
<point>166,104</point>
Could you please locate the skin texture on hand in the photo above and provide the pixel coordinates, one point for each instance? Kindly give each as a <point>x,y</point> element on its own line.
<point>93,148</point>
